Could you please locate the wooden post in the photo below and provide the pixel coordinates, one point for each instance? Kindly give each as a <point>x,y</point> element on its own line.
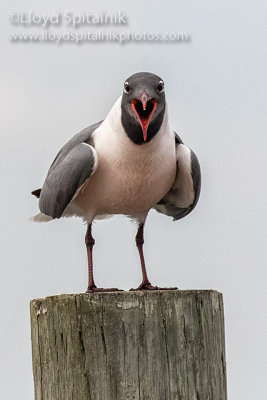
<point>164,345</point>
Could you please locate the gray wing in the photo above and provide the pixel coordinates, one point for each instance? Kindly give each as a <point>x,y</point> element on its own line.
<point>184,194</point>
<point>84,136</point>
<point>73,166</point>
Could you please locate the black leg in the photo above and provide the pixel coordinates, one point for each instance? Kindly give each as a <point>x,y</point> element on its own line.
<point>139,239</point>
<point>89,241</point>
<point>145,285</point>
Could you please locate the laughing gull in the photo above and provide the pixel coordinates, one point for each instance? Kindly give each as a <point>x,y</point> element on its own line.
<point>129,163</point>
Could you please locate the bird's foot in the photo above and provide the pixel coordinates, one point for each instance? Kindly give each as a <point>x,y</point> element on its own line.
<point>94,289</point>
<point>148,286</point>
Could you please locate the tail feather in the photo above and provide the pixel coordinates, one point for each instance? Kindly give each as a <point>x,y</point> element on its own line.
<point>41,218</point>
<point>37,193</point>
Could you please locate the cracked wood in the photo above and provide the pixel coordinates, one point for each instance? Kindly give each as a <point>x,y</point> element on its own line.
<point>166,345</point>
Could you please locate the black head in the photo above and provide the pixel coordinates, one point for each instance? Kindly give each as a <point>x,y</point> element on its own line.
<point>143,106</point>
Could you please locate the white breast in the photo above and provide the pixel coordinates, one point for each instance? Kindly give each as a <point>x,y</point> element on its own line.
<point>130,178</point>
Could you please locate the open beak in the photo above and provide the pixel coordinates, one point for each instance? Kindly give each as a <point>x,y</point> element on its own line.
<point>144,108</point>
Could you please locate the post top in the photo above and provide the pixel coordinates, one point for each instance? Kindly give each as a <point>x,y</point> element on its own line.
<point>133,293</point>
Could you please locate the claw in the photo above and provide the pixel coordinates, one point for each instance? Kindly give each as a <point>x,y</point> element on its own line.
<point>148,286</point>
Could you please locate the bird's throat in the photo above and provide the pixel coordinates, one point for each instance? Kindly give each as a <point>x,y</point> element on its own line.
<point>144,113</point>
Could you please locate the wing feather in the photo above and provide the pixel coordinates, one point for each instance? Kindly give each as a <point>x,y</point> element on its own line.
<point>66,178</point>
<point>184,194</point>
<point>73,165</point>
<point>84,136</point>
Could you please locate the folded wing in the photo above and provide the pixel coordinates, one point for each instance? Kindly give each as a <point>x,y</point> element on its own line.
<point>75,163</point>
<point>184,194</point>
<point>66,178</point>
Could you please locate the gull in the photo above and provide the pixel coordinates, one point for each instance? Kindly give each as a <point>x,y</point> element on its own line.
<point>129,163</point>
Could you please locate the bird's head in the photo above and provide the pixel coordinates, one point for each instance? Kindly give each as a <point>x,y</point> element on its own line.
<point>143,106</point>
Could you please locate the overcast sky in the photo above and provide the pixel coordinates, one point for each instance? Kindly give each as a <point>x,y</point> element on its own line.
<point>215,90</point>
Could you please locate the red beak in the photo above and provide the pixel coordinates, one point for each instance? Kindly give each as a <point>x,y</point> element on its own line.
<point>144,98</point>
<point>144,109</point>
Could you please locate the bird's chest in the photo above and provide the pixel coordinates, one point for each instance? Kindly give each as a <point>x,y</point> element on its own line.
<point>130,178</point>
<point>127,182</point>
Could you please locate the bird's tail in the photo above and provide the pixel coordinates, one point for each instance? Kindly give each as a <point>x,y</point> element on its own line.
<point>37,193</point>
<point>41,218</point>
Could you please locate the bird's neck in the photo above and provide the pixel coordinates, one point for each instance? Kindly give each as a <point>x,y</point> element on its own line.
<point>112,142</point>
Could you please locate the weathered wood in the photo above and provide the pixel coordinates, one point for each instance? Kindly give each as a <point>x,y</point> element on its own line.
<point>166,345</point>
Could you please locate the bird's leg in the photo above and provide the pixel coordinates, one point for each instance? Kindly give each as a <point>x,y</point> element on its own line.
<point>90,241</point>
<point>139,239</point>
<point>145,285</point>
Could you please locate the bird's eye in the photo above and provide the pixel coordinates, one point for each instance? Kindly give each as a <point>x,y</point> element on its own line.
<point>127,87</point>
<point>161,86</point>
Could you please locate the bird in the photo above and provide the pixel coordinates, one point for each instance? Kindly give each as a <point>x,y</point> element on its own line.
<point>129,163</point>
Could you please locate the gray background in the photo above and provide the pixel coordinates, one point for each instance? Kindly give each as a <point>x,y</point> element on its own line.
<point>214,86</point>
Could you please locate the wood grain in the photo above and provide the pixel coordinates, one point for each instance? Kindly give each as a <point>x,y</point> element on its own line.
<point>164,345</point>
